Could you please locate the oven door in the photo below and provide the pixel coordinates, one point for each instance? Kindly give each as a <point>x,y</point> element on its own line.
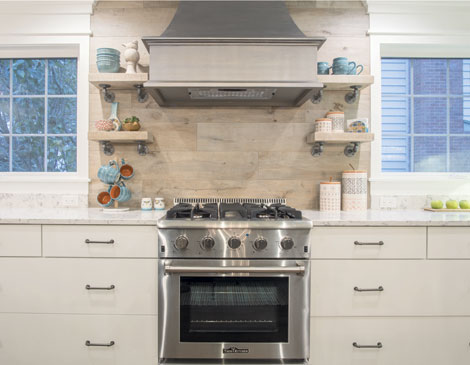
<point>234,309</point>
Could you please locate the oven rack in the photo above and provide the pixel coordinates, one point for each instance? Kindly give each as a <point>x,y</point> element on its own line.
<point>266,201</point>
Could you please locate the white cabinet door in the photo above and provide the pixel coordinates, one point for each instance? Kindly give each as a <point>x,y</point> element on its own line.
<point>405,341</point>
<point>449,242</point>
<point>410,287</point>
<point>46,285</point>
<point>100,241</point>
<point>20,240</point>
<point>28,339</point>
<point>368,243</point>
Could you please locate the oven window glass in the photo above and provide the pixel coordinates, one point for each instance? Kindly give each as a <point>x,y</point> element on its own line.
<point>229,309</point>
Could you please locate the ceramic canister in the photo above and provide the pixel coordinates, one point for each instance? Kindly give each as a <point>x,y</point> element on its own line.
<point>330,196</point>
<point>323,125</point>
<point>354,187</point>
<point>337,121</point>
<point>159,203</point>
<point>146,204</point>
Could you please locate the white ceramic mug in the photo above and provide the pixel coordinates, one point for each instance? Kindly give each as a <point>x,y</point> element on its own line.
<point>159,204</point>
<point>146,204</point>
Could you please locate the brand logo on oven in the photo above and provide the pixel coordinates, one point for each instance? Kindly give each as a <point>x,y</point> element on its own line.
<point>235,350</point>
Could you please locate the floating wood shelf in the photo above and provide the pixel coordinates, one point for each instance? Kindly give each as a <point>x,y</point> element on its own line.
<point>119,81</point>
<point>345,82</point>
<point>353,140</point>
<point>353,84</point>
<point>108,139</point>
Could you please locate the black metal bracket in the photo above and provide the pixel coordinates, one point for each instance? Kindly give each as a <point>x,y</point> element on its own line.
<point>317,149</point>
<point>351,149</point>
<point>108,96</point>
<point>142,95</point>
<point>353,95</point>
<point>318,96</point>
<point>108,148</point>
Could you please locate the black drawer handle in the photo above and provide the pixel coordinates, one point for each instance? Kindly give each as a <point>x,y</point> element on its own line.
<point>89,287</point>
<point>110,242</point>
<point>380,288</point>
<point>378,346</point>
<point>380,243</point>
<point>88,343</point>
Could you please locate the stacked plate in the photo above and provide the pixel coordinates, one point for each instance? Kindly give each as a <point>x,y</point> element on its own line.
<point>108,59</point>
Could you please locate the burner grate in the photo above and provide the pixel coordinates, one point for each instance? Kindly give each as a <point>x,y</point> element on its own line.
<point>266,201</point>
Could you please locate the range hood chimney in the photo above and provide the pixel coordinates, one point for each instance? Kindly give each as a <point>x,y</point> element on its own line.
<point>232,53</point>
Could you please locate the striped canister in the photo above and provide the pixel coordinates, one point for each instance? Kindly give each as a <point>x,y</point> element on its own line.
<point>354,188</point>
<point>330,196</point>
<point>337,119</point>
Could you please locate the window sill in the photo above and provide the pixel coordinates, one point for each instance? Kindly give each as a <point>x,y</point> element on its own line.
<point>420,184</point>
<point>17,183</point>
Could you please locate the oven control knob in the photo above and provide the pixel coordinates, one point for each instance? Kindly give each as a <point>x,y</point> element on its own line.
<point>287,243</point>
<point>207,243</point>
<point>181,242</point>
<point>234,242</point>
<point>260,244</point>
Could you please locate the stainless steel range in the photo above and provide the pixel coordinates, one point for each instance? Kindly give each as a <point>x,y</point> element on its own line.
<point>234,283</point>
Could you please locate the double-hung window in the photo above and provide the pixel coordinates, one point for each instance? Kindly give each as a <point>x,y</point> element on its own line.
<point>38,115</point>
<point>425,115</point>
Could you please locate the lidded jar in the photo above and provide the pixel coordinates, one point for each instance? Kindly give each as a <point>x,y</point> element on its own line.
<point>337,121</point>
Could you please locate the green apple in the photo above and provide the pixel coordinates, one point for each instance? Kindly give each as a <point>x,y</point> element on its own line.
<point>437,204</point>
<point>464,204</point>
<point>452,204</point>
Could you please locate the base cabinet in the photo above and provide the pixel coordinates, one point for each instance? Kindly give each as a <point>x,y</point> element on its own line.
<point>404,341</point>
<point>27,339</point>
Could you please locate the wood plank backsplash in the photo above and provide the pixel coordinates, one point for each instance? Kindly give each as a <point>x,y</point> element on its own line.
<point>222,152</point>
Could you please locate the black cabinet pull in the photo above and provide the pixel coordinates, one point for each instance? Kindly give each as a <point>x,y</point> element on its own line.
<point>88,343</point>
<point>380,243</point>
<point>380,288</point>
<point>110,242</point>
<point>89,287</point>
<point>378,346</point>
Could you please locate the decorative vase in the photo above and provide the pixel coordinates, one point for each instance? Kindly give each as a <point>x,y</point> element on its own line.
<point>131,55</point>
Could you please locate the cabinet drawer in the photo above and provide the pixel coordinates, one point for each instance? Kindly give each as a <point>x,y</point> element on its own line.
<point>20,240</point>
<point>449,242</point>
<point>368,242</point>
<point>48,285</point>
<point>405,341</point>
<point>410,288</point>
<point>100,241</point>
<point>60,339</point>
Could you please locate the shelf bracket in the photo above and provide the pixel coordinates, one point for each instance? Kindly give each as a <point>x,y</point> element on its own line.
<point>107,95</point>
<point>142,95</point>
<point>352,96</point>
<point>318,96</point>
<point>142,148</point>
<point>317,149</point>
<point>351,149</point>
<point>108,148</point>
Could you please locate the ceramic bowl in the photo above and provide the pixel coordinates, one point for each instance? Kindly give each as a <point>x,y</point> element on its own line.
<point>104,125</point>
<point>112,51</point>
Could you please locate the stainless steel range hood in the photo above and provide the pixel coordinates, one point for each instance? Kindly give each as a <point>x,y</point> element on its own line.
<point>232,53</point>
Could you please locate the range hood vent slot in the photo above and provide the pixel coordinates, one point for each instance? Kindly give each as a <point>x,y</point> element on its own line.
<point>232,93</point>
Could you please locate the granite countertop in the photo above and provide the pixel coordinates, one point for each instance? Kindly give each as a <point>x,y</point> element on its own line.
<point>138,217</point>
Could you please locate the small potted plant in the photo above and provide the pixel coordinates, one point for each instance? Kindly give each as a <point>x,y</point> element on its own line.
<point>131,124</point>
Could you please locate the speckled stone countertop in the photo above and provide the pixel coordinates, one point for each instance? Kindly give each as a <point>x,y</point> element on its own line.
<point>388,218</point>
<point>138,217</point>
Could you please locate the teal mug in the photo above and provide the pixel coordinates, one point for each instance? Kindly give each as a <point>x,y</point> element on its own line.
<point>355,68</point>
<point>341,66</point>
<point>126,170</point>
<point>120,192</point>
<point>104,199</point>
<point>109,173</point>
<point>323,68</point>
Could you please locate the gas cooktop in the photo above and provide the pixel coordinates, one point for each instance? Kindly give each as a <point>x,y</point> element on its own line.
<point>233,212</point>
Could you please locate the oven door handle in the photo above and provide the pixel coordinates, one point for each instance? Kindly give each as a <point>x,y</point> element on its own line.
<point>299,270</point>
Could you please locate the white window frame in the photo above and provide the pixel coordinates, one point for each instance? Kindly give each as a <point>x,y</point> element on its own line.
<point>51,47</point>
<point>410,183</point>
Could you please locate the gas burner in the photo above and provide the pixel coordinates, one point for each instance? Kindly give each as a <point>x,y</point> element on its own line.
<point>232,211</point>
<point>273,211</point>
<point>193,212</point>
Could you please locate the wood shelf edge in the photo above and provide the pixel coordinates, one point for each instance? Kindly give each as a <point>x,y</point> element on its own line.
<point>339,137</point>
